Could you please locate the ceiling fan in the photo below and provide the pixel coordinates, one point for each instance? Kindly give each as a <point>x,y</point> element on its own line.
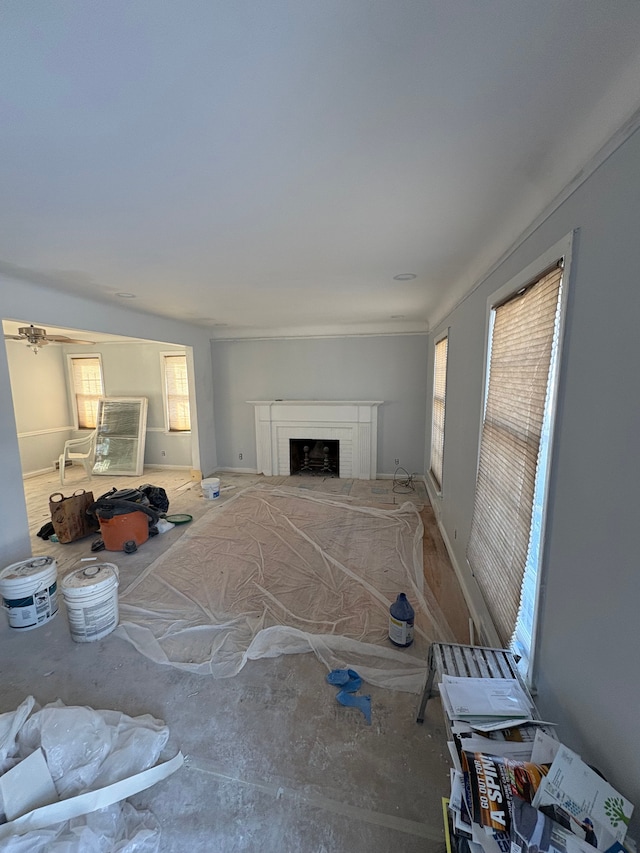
<point>36,338</point>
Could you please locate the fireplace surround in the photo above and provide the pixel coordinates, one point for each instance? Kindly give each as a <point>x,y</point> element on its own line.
<point>353,423</point>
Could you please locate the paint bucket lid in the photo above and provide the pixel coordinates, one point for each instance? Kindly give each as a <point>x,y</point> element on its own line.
<point>28,569</point>
<point>94,578</point>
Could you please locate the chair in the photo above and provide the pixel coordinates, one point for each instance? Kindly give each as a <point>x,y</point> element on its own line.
<point>82,449</point>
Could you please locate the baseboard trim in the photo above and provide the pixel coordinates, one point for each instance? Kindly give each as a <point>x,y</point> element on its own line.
<point>169,467</point>
<point>31,474</point>
<point>236,471</point>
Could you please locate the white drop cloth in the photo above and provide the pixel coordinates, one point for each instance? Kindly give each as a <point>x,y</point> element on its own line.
<point>277,571</point>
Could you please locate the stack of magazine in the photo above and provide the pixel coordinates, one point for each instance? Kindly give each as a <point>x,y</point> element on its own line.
<point>514,787</point>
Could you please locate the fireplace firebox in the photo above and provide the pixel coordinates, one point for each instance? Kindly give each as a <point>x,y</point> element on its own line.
<point>320,458</point>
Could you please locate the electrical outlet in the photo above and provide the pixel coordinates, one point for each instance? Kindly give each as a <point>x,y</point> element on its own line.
<point>163,453</point>
<point>239,455</point>
<point>397,461</point>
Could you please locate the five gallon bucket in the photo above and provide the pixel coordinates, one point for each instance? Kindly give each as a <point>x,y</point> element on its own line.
<point>91,597</point>
<point>211,488</point>
<point>29,592</point>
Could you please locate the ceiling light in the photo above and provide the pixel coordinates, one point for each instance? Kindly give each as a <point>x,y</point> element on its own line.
<point>405,276</point>
<point>126,295</point>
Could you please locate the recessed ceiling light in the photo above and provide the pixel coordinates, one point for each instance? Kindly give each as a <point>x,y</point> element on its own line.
<point>126,295</point>
<point>404,276</point>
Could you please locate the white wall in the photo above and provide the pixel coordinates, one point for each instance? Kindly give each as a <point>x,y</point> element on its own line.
<point>587,673</point>
<point>40,401</point>
<point>33,303</point>
<point>392,368</point>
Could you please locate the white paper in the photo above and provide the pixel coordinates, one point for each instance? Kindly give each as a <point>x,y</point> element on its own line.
<point>491,697</point>
<point>27,786</point>
<point>517,750</point>
<point>572,786</point>
<point>545,748</point>
<point>453,752</point>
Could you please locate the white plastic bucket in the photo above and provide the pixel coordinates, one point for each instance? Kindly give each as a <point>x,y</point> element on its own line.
<point>91,597</point>
<point>29,592</point>
<point>211,488</point>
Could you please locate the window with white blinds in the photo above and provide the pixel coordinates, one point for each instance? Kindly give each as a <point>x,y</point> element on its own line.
<point>523,336</point>
<point>88,388</point>
<point>176,393</point>
<point>438,408</point>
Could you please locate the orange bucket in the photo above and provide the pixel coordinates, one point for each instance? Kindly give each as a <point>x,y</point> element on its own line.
<point>131,526</point>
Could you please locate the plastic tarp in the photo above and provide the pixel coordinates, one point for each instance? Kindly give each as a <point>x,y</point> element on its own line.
<point>90,755</point>
<point>280,571</point>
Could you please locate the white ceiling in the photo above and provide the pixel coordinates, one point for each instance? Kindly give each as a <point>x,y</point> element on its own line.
<point>265,166</point>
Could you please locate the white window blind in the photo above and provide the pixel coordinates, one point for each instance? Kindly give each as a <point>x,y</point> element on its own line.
<point>521,346</point>
<point>177,393</point>
<point>438,410</point>
<point>86,374</point>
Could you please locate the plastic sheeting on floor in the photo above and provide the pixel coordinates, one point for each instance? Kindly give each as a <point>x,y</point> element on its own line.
<point>94,759</point>
<point>278,571</point>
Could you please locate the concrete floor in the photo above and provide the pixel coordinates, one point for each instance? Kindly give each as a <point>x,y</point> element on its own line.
<point>273,762</point>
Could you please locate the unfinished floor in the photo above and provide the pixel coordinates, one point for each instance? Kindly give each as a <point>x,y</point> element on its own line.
<point>273,763</point>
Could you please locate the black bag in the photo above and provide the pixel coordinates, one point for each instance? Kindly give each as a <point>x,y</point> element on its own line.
<point>157,497</point>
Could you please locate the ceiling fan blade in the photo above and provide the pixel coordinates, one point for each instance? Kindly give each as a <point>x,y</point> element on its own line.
<point>13,338</point>
<point>62,339</point>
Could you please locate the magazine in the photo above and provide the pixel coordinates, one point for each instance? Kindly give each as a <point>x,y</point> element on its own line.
<point>493,781</point>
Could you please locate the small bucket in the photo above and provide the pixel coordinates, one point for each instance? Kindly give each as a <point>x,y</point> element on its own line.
<point>29,592</point>
<point>211,488</point>
<point>91,597</point>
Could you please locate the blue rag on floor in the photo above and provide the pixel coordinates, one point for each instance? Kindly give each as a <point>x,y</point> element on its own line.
<point>349,681</point>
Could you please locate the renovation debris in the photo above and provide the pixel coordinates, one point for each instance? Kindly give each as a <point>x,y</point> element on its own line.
<point>349,683</point>
<point>94,760</point>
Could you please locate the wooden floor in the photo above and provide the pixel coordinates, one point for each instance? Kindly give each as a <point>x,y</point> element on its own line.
<point>185,496</point>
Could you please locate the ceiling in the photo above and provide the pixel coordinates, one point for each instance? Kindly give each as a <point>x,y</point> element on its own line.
<point>269,167</point>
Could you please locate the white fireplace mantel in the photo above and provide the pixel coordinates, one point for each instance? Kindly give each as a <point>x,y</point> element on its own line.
<point>354,423</point>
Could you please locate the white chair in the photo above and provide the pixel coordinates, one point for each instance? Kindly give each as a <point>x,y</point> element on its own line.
<point>81,449</point>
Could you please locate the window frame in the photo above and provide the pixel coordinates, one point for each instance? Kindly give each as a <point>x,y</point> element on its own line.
<point>563,249</point>
<point>71,357</point>
<point>165,396</point>
<point>439,485</point>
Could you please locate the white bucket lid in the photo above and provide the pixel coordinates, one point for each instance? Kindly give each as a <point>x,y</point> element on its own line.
<point>90,578</point>
<point>30,569</point>
<point>210,481</point>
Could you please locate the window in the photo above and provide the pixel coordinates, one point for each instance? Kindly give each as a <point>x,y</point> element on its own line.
<point>87,388</point>
<point>508,517</point>
<point>176,392</point>
<point>438,410</point>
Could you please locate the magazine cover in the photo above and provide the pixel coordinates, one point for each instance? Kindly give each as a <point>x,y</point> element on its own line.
<point>493,782</point>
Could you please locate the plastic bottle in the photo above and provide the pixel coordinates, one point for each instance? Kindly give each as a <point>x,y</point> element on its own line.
<point>401,616</point>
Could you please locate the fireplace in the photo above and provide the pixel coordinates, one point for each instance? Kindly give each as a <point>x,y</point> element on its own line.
<point>319,458</point>
<point>353,424</point>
